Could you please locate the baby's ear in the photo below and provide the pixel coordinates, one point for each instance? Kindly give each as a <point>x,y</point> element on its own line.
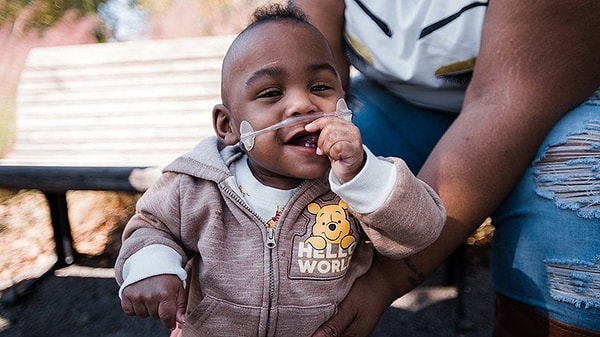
<point>223,125</point>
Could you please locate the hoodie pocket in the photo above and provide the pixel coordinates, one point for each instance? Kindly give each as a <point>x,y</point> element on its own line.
<point>302,321</point>
<point>215,317</point>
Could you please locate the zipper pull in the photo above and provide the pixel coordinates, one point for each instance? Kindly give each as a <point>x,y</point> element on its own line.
<point>270,226</point>
<point>270,236</point>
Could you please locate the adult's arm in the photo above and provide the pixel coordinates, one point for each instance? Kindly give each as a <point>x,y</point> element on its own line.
<point>328,17</point>
<point>537,61</point>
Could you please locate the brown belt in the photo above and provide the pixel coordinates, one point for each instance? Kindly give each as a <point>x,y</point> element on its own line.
<point>514,319</point>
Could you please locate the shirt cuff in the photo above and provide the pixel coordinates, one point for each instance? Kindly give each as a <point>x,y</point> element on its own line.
<point>151,261</point>
<point>370,188</point>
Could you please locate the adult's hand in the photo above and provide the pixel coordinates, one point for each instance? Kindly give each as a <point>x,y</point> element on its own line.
<point>358,313</point>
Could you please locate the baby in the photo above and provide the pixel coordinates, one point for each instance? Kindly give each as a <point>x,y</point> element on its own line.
<point>273,225</point>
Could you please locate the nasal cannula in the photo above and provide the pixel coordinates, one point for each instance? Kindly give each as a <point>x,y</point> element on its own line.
<point>248,133</point>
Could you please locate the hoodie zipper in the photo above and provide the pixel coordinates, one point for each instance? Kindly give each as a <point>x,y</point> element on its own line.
<point>270,243</point>
<point>271,291</point>
<point>270,237</point>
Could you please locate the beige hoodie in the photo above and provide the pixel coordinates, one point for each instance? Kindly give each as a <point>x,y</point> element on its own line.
<point>241,287</point>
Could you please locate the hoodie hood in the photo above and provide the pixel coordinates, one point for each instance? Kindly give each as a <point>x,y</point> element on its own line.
<point>210,160</point>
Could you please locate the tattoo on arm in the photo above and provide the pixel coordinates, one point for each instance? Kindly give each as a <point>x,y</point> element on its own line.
<point>417,276</point>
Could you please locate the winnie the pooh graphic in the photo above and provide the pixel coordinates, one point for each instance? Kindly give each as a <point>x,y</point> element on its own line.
<point>331,226</point>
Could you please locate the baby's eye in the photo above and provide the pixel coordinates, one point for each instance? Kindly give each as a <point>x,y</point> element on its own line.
<point>320,87</point>
<point>269,93</point>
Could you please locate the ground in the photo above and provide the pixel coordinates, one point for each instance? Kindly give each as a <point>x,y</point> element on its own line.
<point>81,300</point>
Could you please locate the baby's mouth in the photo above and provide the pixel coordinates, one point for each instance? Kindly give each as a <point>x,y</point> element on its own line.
<point>306,140</point>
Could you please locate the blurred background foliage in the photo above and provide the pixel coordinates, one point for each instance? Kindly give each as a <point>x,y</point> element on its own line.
<point>43,14</point>
<point>40,15</point>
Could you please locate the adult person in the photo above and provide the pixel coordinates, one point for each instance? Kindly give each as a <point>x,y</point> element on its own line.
<point>518,140</point>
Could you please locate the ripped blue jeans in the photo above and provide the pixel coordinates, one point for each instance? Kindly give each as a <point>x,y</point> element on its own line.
<point>546,247</point>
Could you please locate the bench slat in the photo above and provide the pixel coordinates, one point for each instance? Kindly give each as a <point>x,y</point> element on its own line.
<point>111,108</point>
<point>133,51</point>
<point>67,178</point>
<point>204,79</point>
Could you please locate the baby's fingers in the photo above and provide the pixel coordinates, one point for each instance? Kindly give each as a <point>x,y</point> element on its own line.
<point>134,308</point>
<point>167,310</point>
<point>340,142</point>
<point>127,306</point>
<point>172,310</point>
<point>340,151</point>
<point>155,296</point>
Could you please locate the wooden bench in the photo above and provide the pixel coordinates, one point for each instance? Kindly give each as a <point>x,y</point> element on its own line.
<point>108,117</point>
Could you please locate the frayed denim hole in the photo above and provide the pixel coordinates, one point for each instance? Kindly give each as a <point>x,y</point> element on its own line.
<point>595,99</point>
<point>575,281</point>
<point>569,172</point>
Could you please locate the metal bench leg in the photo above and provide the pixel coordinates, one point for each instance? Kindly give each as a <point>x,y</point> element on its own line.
<point>456,274</point>
<point>57,201</point>
<point>62,229</point>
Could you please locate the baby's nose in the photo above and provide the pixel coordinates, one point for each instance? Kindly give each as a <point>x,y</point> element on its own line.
<point>300,104</point>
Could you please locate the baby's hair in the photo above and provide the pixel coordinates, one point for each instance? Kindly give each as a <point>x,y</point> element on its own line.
<point>277,12</point>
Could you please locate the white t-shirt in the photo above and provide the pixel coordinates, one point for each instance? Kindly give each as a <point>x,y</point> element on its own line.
<point>416,48</point>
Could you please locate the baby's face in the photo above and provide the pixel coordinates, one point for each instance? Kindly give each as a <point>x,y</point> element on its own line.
<point>286,70</point>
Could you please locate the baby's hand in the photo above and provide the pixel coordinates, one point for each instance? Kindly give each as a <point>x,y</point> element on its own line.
<point>160,297</point>
<point>340,140</point>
